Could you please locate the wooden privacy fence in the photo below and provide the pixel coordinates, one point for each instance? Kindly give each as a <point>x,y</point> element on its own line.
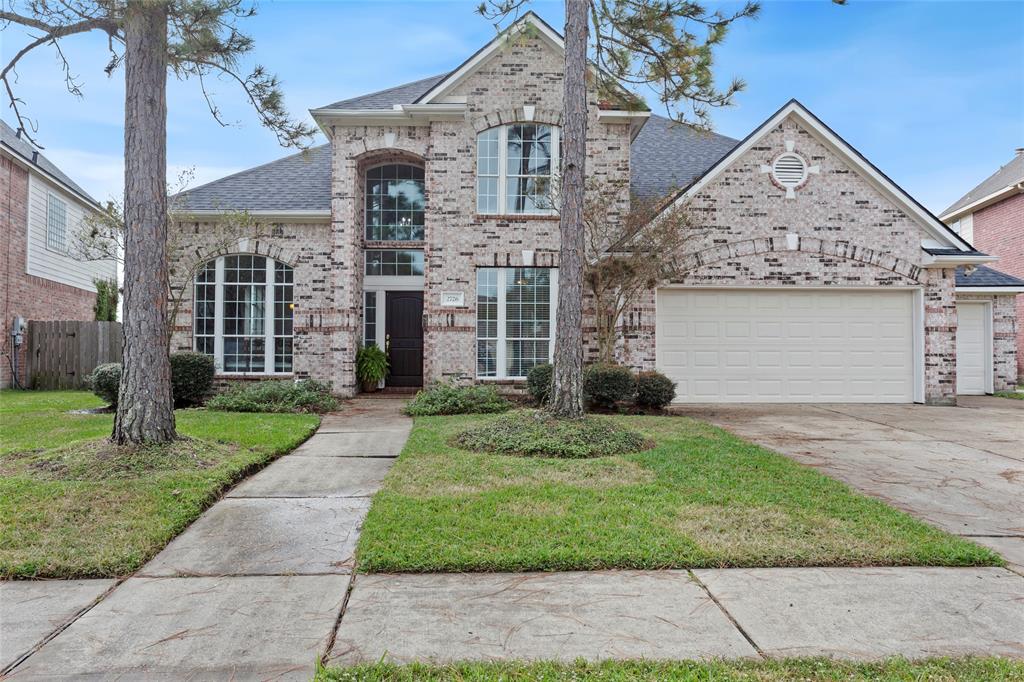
<point>64,354</point>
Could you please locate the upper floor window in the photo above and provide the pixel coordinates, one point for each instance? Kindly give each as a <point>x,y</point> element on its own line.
<point>514,168</point>
<point>243,314</point>
<point>394,203</point>
<point>56,223</point>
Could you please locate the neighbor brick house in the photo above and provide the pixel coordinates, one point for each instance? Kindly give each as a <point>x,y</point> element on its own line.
<point>40,277</point>
<point>991,217</point>
<point>421,226</point>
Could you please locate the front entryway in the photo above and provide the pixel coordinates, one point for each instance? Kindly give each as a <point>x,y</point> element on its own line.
<point>404,340</point>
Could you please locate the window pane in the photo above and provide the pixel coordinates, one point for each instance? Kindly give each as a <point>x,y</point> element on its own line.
<point>56,223</point>
<point>370,318</point>
<point>395,201</point>
<point>394,262</point>
<point>527,319</point>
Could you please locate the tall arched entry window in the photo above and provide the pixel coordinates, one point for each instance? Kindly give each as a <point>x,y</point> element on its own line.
<point>395,202</point>
<point>243,314</point>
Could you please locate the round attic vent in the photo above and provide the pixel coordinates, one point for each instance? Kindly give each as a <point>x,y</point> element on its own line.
<point>789,170</point>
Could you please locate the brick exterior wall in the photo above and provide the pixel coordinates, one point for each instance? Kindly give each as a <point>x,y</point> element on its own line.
<point>999,231</point>
<point>33,298</point>
<point>848,234</point>
<point>1005,329</point>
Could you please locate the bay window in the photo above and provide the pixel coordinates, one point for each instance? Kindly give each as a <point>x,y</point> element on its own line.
<point>515,169</point>
<point>243,314</point>
<point>515,310</point>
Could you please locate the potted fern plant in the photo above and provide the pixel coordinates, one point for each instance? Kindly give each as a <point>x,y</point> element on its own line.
<point>371,367</point>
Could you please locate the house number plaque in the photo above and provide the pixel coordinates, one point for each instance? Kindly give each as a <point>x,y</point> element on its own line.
<point>453,299</point>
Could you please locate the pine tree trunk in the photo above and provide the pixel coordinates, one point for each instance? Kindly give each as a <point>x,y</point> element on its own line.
<point>144,409</point>
<point>567,386</point>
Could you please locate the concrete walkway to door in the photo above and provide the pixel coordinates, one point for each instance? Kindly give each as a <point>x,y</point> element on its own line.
<point>959,468</point>
<point>251,590</point>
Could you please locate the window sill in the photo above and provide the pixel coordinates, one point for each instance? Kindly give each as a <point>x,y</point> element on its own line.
<point>502,380</point>
<point>254,376</point>
<point>517,217</point>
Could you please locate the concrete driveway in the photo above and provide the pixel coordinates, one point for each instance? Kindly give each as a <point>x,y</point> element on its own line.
<point>959,468</point>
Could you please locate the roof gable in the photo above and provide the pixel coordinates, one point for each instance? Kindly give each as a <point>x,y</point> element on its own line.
<point>529,23</point>
<point>1006,177</point>
<point>825,135</point>
<point>31,157</point>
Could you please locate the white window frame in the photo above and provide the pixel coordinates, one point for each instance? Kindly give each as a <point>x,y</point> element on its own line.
<point>501,351</point>
<point>268,320</point>
<point>52,197</point>
<point>503,168</point>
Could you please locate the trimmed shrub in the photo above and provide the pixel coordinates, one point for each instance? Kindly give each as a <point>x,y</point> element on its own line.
<point>276,396</point>
<point>605,385</point>
<point>538,381</point>
<point>191,378</point>
<point>528,433</point>
<point>654,389</point>
<point>447,398</point>
<point>105,381</point>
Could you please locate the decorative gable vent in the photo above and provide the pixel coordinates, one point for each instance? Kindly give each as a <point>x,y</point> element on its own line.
<point>789,171</point>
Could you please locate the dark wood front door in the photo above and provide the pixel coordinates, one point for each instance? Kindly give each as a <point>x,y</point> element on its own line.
<point>404,321</point>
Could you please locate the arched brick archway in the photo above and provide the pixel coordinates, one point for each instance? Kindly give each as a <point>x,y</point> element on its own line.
<point>809,245</point>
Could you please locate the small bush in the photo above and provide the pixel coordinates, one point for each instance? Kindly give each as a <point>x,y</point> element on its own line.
<point>605,385</point>
<point>447,398</point>
<point>538,381</point>
<point>529,433</point>
<point>654,389</point>
<point>276,396</point>
<point>371,365</point>
<point>105,381</point>
<point>191,378</point>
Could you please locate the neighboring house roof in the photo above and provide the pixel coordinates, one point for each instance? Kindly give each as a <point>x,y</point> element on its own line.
<point>667,156</point>
<point>386,99</point>
<point>983,276</point>
<point>298,183</point>
<point>1006,177</point>
<point>29,155</point>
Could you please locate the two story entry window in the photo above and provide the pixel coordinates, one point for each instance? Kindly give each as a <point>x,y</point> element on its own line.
<point>395,202</point>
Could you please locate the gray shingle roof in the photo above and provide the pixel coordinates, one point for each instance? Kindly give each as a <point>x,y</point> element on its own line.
<point>952,252</point>
<point>386,99</point>
<point>25,150</point>
<point>667,156</point>
<point>1010,174</point>
<point>986,277</point>
<point>300,182</point>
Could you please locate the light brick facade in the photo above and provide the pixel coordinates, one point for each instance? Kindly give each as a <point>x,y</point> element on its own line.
<point>837,231</point>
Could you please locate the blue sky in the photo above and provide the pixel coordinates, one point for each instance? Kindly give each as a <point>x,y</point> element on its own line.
<point>931,92</point>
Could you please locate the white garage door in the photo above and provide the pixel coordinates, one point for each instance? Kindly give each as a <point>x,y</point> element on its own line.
<point>787,346</point>
<point>972,348</point>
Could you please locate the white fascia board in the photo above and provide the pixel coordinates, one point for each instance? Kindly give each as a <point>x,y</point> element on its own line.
<point>33,168</point>
<point>635,119</point>
<point>485,53</point>
<point>994,291</point>
<point>988,200</point>
<point>930,261</point>
<point>934,226</point>
<point>276,216</point>
<point>401,114</point>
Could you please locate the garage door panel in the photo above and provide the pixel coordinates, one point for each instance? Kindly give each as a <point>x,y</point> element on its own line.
<point>787,346</point>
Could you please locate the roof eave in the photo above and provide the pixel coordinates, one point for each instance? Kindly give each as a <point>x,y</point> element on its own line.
<point>209,215</point>
<point>400,114</point>
<point>931,261</point>
<point>28,165</point>
<point>993,290</point>
<point>993,198</point>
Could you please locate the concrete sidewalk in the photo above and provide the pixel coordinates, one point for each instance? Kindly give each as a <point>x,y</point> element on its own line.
<point>251,590</point>
<point>853,613</point>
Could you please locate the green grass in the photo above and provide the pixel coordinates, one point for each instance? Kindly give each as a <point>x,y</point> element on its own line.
<point>1013,395</point>
<point>701,498</point>
<point>73,506</point>
<point>792,670</point>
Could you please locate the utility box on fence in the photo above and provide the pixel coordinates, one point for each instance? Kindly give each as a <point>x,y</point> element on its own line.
<point>64,354</point>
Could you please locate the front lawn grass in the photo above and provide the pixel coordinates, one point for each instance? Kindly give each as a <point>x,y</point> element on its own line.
<point>701,498</point>
<point>71,506</point>
<point>1014,395</point>
<point>791,670</point>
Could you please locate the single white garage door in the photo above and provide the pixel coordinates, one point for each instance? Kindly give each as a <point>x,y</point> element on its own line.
<point>777,346</point>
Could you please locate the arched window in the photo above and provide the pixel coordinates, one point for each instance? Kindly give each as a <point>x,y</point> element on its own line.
<point>243,314</point>
<point>395,201</point>
<point>514,168</point>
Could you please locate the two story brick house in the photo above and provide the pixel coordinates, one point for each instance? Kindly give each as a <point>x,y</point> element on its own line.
<point>422,227</point>
<point>991,217</point>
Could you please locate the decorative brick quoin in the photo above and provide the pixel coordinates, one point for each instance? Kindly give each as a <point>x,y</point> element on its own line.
<point>424,226</point>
